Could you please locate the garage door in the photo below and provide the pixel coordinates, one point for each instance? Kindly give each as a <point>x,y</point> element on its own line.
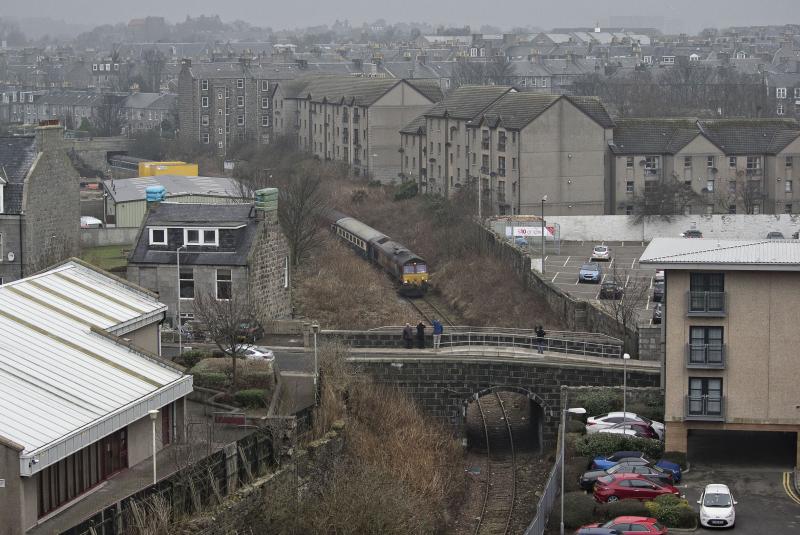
<point>756,448</point>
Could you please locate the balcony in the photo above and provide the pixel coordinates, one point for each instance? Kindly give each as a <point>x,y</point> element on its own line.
<point>708,304</point>
<point>704,408</point>
<point>705,356</point>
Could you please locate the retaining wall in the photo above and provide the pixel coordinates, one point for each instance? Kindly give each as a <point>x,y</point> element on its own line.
<point>99,237</point>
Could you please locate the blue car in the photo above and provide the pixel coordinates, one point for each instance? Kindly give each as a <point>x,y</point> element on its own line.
<point>590,273</point>
<point>604,463</point>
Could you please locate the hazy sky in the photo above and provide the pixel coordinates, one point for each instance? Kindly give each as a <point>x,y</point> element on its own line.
<point>690,14</point>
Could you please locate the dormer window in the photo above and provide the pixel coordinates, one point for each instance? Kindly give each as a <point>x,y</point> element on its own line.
<point>158,236</point>
<point>201,236</point>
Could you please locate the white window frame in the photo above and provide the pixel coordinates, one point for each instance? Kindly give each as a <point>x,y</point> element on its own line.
<point>240,120</point>
<point>203,85</point>
<point>201,237</point>
<point>204,121</point>
<point>205,138</point>
<point>265,120</point>
<point>264,85</point>
<point>204,102</point>
<point>240,83</point>
<point>264,103</point>
<point>217,281</point>
<point>780,110</point>
<point>150,233</point>
<point>780,92</point>
<point>240,101</point>
<point>732,160</point>
<point>787,186</point>
<point>181,279</point>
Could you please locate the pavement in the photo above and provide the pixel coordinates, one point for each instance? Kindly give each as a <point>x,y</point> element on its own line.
<point>765,506</point>
<point>562,270</point>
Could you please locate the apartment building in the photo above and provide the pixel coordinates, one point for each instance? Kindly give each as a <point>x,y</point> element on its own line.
<point>519,146</point>
<point>353,120</point>
<point>731,341</point>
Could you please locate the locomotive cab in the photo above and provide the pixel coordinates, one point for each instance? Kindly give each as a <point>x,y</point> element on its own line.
<point>414,278</point>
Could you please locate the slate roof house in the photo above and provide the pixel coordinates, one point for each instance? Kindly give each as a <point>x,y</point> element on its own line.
<point>225,250</point>
<point>39,203</point>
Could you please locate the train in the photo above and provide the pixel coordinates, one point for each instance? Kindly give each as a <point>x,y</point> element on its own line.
<point>409,270</point>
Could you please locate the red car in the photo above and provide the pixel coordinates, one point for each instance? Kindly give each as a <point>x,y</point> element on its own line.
<point>615,487</point>
<point>633,525</point>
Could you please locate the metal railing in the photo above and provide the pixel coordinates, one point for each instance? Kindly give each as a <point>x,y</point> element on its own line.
<point>705,408</point>
<point>706,304</point>
<point>564,335</point>
<point>549,494</point>
<point>705,356</point>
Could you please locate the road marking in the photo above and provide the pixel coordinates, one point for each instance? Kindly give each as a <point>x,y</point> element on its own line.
<point>603,279</point>
<point>647,306</point>
<point>554,277</point>
<point>567,260</point>
<point>788,487</point>
<point>651,282</point>
<point>633,263</point>
<point>611,263</point>
<point>622,244</point>
<point>627,279</point>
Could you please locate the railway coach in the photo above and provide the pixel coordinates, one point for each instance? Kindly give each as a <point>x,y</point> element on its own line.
<point>406,268</point>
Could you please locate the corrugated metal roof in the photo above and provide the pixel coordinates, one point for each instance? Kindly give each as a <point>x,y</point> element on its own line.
<point>64,383</point>
<point>736,254</point>
<point>133,189</point>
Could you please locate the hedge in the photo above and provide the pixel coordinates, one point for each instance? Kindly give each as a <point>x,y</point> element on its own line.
<point>610,511</point>
<point>214,380</point>
<point>253,397</point>
<point>672,511</point>
<point>578,509</point>
<point>406,191</point>
<point>573,470</point>
<point>607,443</point>
<point>598,401</point>
<point>190,358</point>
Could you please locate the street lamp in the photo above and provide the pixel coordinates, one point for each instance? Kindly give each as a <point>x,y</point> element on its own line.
<point>625,358</point>
<point>153,416</point>
<point>315,330</point>
<point>180,332</point>
<point>573,410</point>
<point>544,199</point>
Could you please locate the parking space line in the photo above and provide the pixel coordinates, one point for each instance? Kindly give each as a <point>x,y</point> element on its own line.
<point>633,263</point>
<point>647,306</point>
<point>555,277</point>
<point>787,486</point>
<point>622,244</point>
<point>566,261</point>
<point>603,279</point>
<point>627,279</point>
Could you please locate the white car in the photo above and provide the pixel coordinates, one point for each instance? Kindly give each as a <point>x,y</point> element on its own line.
<point>717,507</point>
<point>659,276</point>
<point>257,353</point>
<point>601,252</point>
<point>604,421</point>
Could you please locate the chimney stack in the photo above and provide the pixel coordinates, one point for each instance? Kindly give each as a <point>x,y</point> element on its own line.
<point>49,135</point>
<point>267,205</point>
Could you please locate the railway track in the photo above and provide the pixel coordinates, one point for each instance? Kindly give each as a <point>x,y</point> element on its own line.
<point>497,509</point>
<point>429,311</point>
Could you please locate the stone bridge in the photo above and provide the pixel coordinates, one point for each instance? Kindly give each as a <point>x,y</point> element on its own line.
<point>445,383</point>
<point>94,152</point>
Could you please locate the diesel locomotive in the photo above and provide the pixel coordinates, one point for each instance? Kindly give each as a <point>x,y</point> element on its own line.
<point>406,268</point>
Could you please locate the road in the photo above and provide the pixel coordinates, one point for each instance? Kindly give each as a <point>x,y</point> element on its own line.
<point>288,359</point>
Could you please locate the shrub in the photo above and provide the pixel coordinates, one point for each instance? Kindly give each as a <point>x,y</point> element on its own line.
<point>578,509</point>
<point>253,397</point>
<point>654,412</point>
<point>406,191</point>
<point>609,511</point>
<point>599,400</point>
<point>214,380</point>
<point>190,358</point>
<point>576,426</point>
<point>606,444</point>
<point>573,471</point>
<point>677,457</point>
<point>672,511</point>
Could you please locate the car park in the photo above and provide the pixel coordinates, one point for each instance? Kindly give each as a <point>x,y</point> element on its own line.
<point>590,272</point>
<point>658,292</point>
<point>611,290</point>
<point>638,429</point>
<point>603,421</point>
<point>633,466</point>
<point>658,311</point>
<point>615,487</point>
<point>774,235</point>
<point>601,252</point>
<point>604,463</point>
<point>629,525</point>
<point>717,507</point>
<point>692,233</point>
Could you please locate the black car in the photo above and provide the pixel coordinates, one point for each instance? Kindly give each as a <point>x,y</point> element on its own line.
<point>630,466</point>
<point>692,233</point>
<point>658,292</point>
<point>658,311</point>
<point>611,290</point>
<point>774,235</point>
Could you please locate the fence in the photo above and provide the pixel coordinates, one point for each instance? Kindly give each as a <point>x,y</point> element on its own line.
<point>545,505</point>
<point>530,341</point>
<point>190,489</point>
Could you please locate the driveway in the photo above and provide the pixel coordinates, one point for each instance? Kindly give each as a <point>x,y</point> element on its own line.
<point>764,506</point>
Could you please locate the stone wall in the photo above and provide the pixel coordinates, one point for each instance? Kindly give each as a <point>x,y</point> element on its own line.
<point>651,346</point>
<point>270,284</point>
<point>444,387</point>
<point>10,243</point>
<point>98,237</point>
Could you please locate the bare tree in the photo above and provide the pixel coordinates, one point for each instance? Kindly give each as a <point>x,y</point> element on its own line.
<point>495,71</point>
<point>302,205</point>
<point>154,62</point>
<point>222,319</point>
<point>742,192</point>
<point>106,119</point>
<point>663,198</point>
<point>635,292</point>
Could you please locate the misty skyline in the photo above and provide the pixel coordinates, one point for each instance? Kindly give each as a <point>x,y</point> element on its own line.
<point>678,15</point>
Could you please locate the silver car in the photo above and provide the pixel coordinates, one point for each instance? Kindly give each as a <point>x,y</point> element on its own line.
<point>601,252</point>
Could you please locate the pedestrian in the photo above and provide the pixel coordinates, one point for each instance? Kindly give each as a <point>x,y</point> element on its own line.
<point>408,336</point>
<point>421,335</point>
<point>540,334</point>
<point>438,329</point>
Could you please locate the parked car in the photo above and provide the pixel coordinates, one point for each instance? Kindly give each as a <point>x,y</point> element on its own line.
<point>603,421</point>
<point>257,353</point>
<point>604,463</point>
<point>632,466</point>
<point>658,311</point>
<point>717,507</point>
<point>796,235</point>
<point>638,429</point>
<point>611,290</point>
<point>590,273</point>
<point>615,487</point>
<point>692,233</point>
<point>520,241</point>
<point>658,292</point>
<point>630,525</point>
<point>601,252</point>
<point>659,276</point>
<point>597,531</point>
<point>774,235</point>
<point>250,332</point>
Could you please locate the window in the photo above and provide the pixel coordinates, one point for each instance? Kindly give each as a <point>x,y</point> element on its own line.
<point>219,95</point>
<point>629,162</point>
<point>200,236</point>
<point>240,120</point>
<point>204,138</point>
<point>265,120</point>
<point>731,208</point>
<point>706,292</point>
<point>687,162</point>
<point>629,186</point>
<point>204,102</point>
<point>789,162</point>
<point>705,345</point>
<point>669,60</point>
<point>204,120</point>
<point>158,236</point>
<point>186,283</point>
<point>265,102</point>
<point>797,92</point>
<point>224,284</point>
<point>731,186</point>
<point>732,162</point>
<point>501,166</point>
<point>264,85</point>
<point>513,164</point>
<point>705,396</point>
<point>709,186</point>
<point>711,162</point>
<point>240,101</point>
<point>485,163</point>
<point>787,208</point>
<point>779,110</point>
<point>204,85</point>
<point>651,165</point>
<point>753,163</point>
<point>780,92</point>
<point>240,83</point>
<point>219,130</point>
<point>787,186</point>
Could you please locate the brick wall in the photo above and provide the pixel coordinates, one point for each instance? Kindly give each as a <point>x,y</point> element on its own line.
<point>650,344</point>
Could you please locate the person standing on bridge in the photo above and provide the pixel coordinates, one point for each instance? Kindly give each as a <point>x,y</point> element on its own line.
<point>421,335</point>
<point>438,329</point>
<point>408,336</point>
<point>540,334</point>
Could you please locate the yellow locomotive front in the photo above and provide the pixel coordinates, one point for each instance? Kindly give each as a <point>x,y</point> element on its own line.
<point>414,278</point>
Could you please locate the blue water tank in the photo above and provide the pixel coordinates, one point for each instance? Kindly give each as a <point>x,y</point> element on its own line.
<point>155,193</point>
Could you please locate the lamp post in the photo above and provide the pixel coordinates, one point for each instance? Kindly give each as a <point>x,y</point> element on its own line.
<point>544,199</point>
<point>574,410</point>
<point>625,358</point>
<point>180,331</point>
<point>153,416</point>
<point>315,330</point>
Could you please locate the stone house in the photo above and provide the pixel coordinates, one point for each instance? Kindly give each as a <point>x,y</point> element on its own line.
<point>39,203</point>
<point>147,111</point>
<point>225,250</point>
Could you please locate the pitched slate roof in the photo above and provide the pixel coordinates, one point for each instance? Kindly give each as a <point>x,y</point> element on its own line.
<point>355,91</point>
<point>751,136</point>
<point>516,110</point>
<point>594,108</point>
<point>680,253</point>
<point>17,155</point>
<point>467,101</point>
<point>415,126</point>
<point>653,136</point>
